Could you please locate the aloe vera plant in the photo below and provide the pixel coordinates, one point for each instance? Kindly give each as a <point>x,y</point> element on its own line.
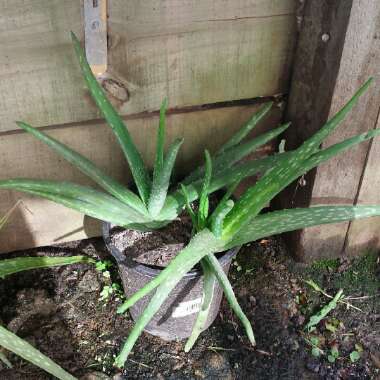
<point>156,202</point>
<point>232,224</point>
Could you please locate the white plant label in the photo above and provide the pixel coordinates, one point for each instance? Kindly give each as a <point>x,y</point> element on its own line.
<point>187,307</point>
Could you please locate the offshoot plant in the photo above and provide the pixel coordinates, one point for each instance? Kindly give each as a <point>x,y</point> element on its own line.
<point>240,223</point>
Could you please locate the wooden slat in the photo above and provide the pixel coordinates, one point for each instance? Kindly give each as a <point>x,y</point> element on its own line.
<point>338,50</point>
<point>22,155</point>
<point>364,234</point>
<point>193,53</point>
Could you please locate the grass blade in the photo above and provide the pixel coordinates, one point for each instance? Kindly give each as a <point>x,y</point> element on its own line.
<point>277,222</point>
<point>209,281</point>
<point>136,164</point>
<point>161,182</point>
<point>22,348</point>
<point>7,215</point>
<point>243,132</point>
<point>316,318</point>
<point>19,264</point>
<point>87,167</point>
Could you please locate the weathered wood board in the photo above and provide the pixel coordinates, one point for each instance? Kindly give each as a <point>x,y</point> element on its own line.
<point>365,234</point>
<point>44,222</point>
<point>338,50</point>
<point>193,53</point>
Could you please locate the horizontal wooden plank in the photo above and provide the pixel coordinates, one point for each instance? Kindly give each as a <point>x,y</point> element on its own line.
<point>44,222</point>
<point>213,51</point>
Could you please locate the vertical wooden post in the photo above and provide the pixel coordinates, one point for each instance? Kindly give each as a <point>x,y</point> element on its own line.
<point>338,49</point>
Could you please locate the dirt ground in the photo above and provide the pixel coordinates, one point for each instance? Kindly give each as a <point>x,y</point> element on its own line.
<point>62,313</point>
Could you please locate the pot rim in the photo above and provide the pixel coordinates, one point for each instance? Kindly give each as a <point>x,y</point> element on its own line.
<point>147,270</point>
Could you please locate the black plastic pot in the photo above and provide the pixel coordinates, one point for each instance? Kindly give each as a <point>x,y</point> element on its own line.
<point>177,315</point>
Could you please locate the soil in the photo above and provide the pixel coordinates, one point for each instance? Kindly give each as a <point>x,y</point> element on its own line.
<point>60,311</point>
<point>154,248</point>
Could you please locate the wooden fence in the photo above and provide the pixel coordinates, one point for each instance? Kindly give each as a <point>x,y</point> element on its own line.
<point>200,54</point>
<point>215,60</point>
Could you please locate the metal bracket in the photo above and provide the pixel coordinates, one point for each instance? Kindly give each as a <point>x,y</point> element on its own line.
<point>95,31</point>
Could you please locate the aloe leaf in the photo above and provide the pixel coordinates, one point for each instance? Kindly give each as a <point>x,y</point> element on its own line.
<point>87,167</point>
<point>243,132</point>
<point>230,295</point>
<point>22,348</point>
<point>5,218</point>
<point>219,216</point>
<point>84,199</point>
<point>136,164</point>
<point>236,153</point>
<point>256,197</point>
<point>209,281</point>
<point>175,202</point>
<point>159,161</point>
<point>5,360</point>
<point>203,199</point>
<point>161,182</point>
<point>19,264</point>
<point>200,245</point>
<point>189,210</point>
<point>276,222</point>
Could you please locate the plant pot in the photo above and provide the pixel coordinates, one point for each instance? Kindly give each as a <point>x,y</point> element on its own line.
<point>177,315</point>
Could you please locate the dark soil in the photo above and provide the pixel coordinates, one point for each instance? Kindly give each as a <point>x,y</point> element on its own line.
<point>155,248</point>
<point>59,311</point>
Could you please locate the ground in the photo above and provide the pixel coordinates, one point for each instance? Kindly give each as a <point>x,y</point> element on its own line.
<point>60,311</point>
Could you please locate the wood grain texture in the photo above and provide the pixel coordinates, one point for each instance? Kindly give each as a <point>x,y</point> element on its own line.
<point>338,50</point>
<point>364,234</point>
<point>44,222</point>
<point>211,51</point>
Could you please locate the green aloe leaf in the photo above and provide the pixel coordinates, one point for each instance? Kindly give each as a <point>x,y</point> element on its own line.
<point>161,182</point>
<point>230,295</point>
<point>136,164</point>
<point>255,198</point>
<point>159,161</point>
<point>277,222</point>
<point>19,264</point>
<point>22,348</point>
<point>203,199</point>
<point>200,245</point>
<point>87,167</point>
<point>229,157</point>
<point>243,132</point>
<point>209,281</point>
<point>84,199</point>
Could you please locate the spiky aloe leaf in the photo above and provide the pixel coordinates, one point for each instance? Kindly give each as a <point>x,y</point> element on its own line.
<point>19,264</point>
<point>84,199</point>
<point>87,167</point>
<point>159,161</point>
<point>200,245</point>
<point>5,218</point>
<point>161,182</point>
<point>203,199</point>
<point>230,295</point>
<point>277,222</point>
<point>255,198</point>
<point>219,216</point>
<point>229,157</point>
<point>22,348</point>
<point>243,132</point>
<point>209,281</point>
<point>175,202</point>
<point>136,164</point>
<point>189,209</point>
